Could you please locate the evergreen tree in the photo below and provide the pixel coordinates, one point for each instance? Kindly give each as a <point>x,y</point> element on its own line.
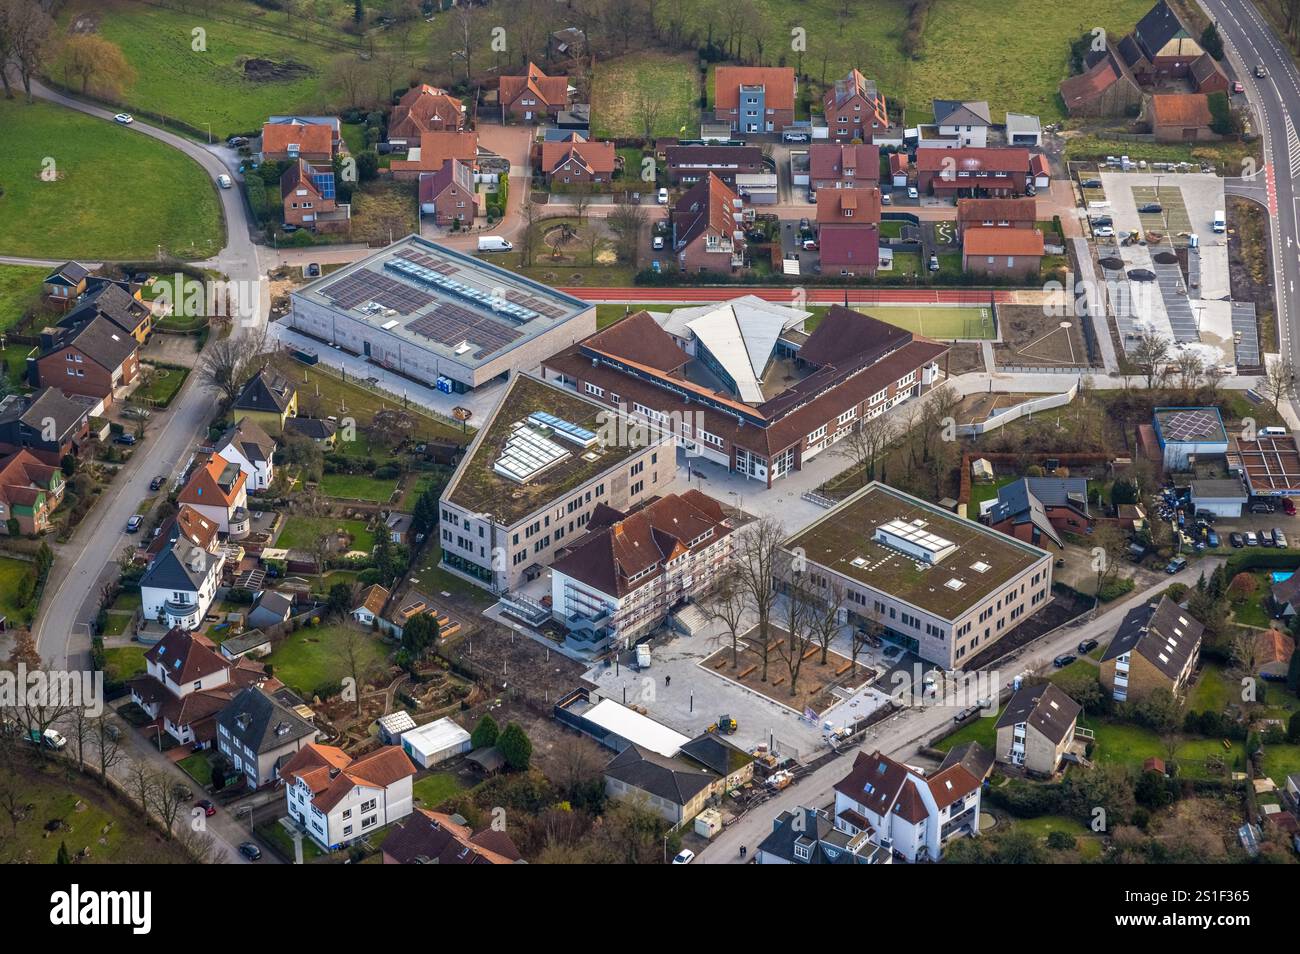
<point>515,747</point>
<point>486,732</point>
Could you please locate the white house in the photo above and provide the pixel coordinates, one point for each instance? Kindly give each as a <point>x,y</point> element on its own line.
<point>218,489</point>
<point>901,809</point>
<point>338,800</point>
<point>372,604</point>
<point>185,684</point>
<point>180,585</point>
<point>967,122</point>
<point>247,445</point>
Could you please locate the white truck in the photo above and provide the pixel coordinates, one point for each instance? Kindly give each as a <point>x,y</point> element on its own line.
<point>493,243</point>
<point>643,656</point>
<point>1220,221</point>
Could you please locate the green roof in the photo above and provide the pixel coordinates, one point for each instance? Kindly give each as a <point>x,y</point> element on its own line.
<point>980,562</point>
<point>479,488</point>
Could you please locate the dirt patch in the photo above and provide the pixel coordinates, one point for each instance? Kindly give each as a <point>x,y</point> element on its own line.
<point>965,357</point>
<point>1165,258</point>
<point>498,658</point>
<point>1111,263</point>
<point>1030,338</point>
<point>977,407</point>
<point>84,23</point>
<point>268,71</point>
<point>815,681</point>
<point>1250,267</point>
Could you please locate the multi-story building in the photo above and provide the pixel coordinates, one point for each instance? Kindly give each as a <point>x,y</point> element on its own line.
<point>314,138</point>
<point>1002,253</point>
<point>534,96</point>
<point>996,214</point>
<point>836,165</point>
<point>180,584</point>
<point>630,570</point>
<point>743,386</point>
<point>808,836</point>
<point>901,810</point>
<point>1156,647</point>
<point>48,424</point>
<point>972,172</point>
<point>218,489</point>
<point>848,230</point>
<point>448,194</point>
<point>30,491</point>
<point>338,799</point>
<point>309,200</point>
<point>96,359</point>
<point>536,472</point>
<point>424,108</point>
<point>259,734</point>
<point>854,108</point>
<point>754,99</point>
<point>967,123</point>
<point>439,316</point>
<point>687,165</point>
<point>940,586</point>
<point>1036,728</point>
<point>708,228</point>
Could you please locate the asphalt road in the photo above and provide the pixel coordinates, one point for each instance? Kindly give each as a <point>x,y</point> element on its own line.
<point>62,628</point>
<point>1275,98</point>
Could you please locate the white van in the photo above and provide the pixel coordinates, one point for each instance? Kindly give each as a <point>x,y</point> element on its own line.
<point>1272,432</point>
<point>1220,221</point>
<point>492,243</point>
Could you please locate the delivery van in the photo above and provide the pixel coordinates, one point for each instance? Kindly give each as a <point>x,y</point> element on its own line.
<point>492,243</point>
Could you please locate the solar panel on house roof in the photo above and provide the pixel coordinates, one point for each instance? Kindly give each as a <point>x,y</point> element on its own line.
<point>1194,424</point>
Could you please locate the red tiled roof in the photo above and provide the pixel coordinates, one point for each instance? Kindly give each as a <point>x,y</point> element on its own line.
<point>436,148</point>
<point>596,157</point>
<point>202,487</point>
<point>842,206</point>
<point>995,241</point>
<point>422,109</point>
<point>1181,109</point>
<point>708,206</point>
<point>311,138</point>
<point>777,83</point>
<point>551,90</point>
<point>331,774</point>
<point>997,210</point>
<point>1006,160</point>
<point>186,657</point>
<point>828,160</point>
<point>850,246</point>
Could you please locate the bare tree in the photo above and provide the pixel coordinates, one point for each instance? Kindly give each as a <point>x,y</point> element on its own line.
<point>1150,355</point>
<point>527,240</point>
<point>349,76</point>
<point>355,662</point>
<point>107,745</point>
<point>1278,380</point>
<point>141,780</point>
<point>168,799</point>
<point>824,616</point>
<point>1191,369</point>
<point>1109,544</point>
<point>756,560</point>
<point>201,846</point>
<point>230,362</point>
<point>866,444</point>
<point>626,221</point>
<point>581,200</point>
<point>647,112</point>
<point>798,608</point>
<point>29,31</point>
<point>726,604</point>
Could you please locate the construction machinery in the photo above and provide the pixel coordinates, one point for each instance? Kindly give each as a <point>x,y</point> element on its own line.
<point>727,725</point>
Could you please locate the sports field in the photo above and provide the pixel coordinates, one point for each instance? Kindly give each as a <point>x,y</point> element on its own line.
<point>941,322</point>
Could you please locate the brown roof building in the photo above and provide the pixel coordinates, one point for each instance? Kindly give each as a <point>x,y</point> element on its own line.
<point>1181,117</point>
<point>854,107</point>
<point>577,160</point>
<point>534,96</point>
<point>754,99</point>
<point>708,232</point>
<point>687,165</point>
<point>448,194</point>
<point>1002,252</point>
<point>289,137</point>
<point>748,389</point>
<point>1105,88</point>
<point>423,109</point>
<point>972,171</point>
<point>434,150</point>
<point>996,214</point>
<point>433,838</point>
<point>843,166</point>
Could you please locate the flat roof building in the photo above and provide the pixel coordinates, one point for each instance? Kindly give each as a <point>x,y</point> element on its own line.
<point>941,587</point>
<point>1270,464</point>
<point>531,479</point>
<point>439,316</point>
<point>1185,433</point>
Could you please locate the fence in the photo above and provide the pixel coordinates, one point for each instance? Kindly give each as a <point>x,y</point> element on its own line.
<point>999,418</point>
<point>383,393</point>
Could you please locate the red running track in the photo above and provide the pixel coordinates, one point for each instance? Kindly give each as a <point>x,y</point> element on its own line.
<point>823,296</point>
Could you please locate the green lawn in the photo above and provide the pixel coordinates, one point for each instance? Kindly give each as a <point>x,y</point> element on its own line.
<point>357,487</point>
<point>1281,761</point>
<point>274,833</point>
<point>15,365</point>
<point>1088,843</point>
<point>116,624</point>
<point>1132,745</point>
<point>981,729</point>
<point>327,394</point>
<point>11,572</point>
<point>162,387</point>
<point>935,321</point>
<point>197,767</point>
<point>1252,611</point>
<point>623,84</point>
<point>433,790</point>
<point>980,492</point>
<point>114,193</point>
<point>433,579</point>
<point>312,658</point>
<point>1212,691</point>
<point>20,289</point>
<point>301,533</point>
<point>127,600</point>
<point>124,662</point>
<point>209,87</point>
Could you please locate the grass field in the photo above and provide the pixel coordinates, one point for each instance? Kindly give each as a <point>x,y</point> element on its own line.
<point>326,394</point>
<point>937,321</point>
<point>162,386</point>
<point>301,533</point>
<point>669,82</point>
<point>357,487</point>
<point>312,658</point>
<point>20,289</point>
<point>209,87</point>
<point>11,572</point>
<point>434,789</point>
<point>125,662</point>
<point>107,198</point>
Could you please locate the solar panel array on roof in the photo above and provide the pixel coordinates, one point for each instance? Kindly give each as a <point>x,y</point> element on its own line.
<point>571,432</point>
<point>444,283</point>
<point>527,453</point>
<point>451,324</point>
<point>353,290</point>
<point>324,183</point>
<point>1190,425</point>
<point>535,303</point>
<point>440,265</point>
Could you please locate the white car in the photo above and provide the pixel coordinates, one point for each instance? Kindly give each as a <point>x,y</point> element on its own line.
<point>1104,231</point>
<point>125,119</point>
<point>684,857</point>
<point>911,192</point>
<point>224,181</point>
<point>658,242</point>
<point>663,196</point>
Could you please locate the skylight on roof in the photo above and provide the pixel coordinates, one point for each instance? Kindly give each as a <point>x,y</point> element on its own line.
<point>955,584</point>
<point>979,566</point>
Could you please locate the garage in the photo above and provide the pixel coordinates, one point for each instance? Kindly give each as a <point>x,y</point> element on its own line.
<point>1223,498</point>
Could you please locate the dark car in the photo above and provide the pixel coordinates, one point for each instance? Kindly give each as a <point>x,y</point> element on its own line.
<point>127,439</point>
<point>1060,662</point>
<point>1151,207</point>
<point>1266,538</point>
<point>1206,515</point>
<point>1091,183</point>
<point>237,141</point>
<point>1211,538</point>
<point>157,482</point>
<point>1102,221</point>
<point>1087,646</point>
<point>250,850</point>
<point>1261,507</point>
<point>1236,540</point>
<point>206,804</point>
<point>313,270</point>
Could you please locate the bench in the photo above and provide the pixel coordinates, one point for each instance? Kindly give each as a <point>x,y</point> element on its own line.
<point>845,668</point>
<point>748,671</point>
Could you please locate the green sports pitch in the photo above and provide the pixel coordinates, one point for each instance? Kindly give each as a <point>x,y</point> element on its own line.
<point>941,322</point>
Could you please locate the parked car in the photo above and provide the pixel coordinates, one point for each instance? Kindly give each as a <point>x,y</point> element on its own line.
<point>1260,506</point>
<point>1101,220</point>
<point>810,245</point>
<point>1087,646</point>
<point>1237,540</point>
<point>1205,515</point>
<point>1260,71</point>
<point>313,269</point>
<point>250,850</point>
<point>125,119</point>
<point>1279,539</point>
<point>1288,506</point>
<point>1060,662</point>
<point>1151,207</point>
<point>1090,184</point>
<point>886,198</point>
<point>1266,538</point>
<point>812,196</point>
<point>1239,87</point>
<point>934,262</point>
<point>157,482</point>
<point>1211,538</point>
<point>237,141</point>
<point>663,196</point>
<point>133,525</point>
<point>912,193</point>
<point>658,243</point>
<point>684,857</point>
<point>1251,539</point>
<point>1103,231</point>
<point>127,439</point>
<point>1176,565</point>
<point>656,267</point>
<point>208,808</point>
